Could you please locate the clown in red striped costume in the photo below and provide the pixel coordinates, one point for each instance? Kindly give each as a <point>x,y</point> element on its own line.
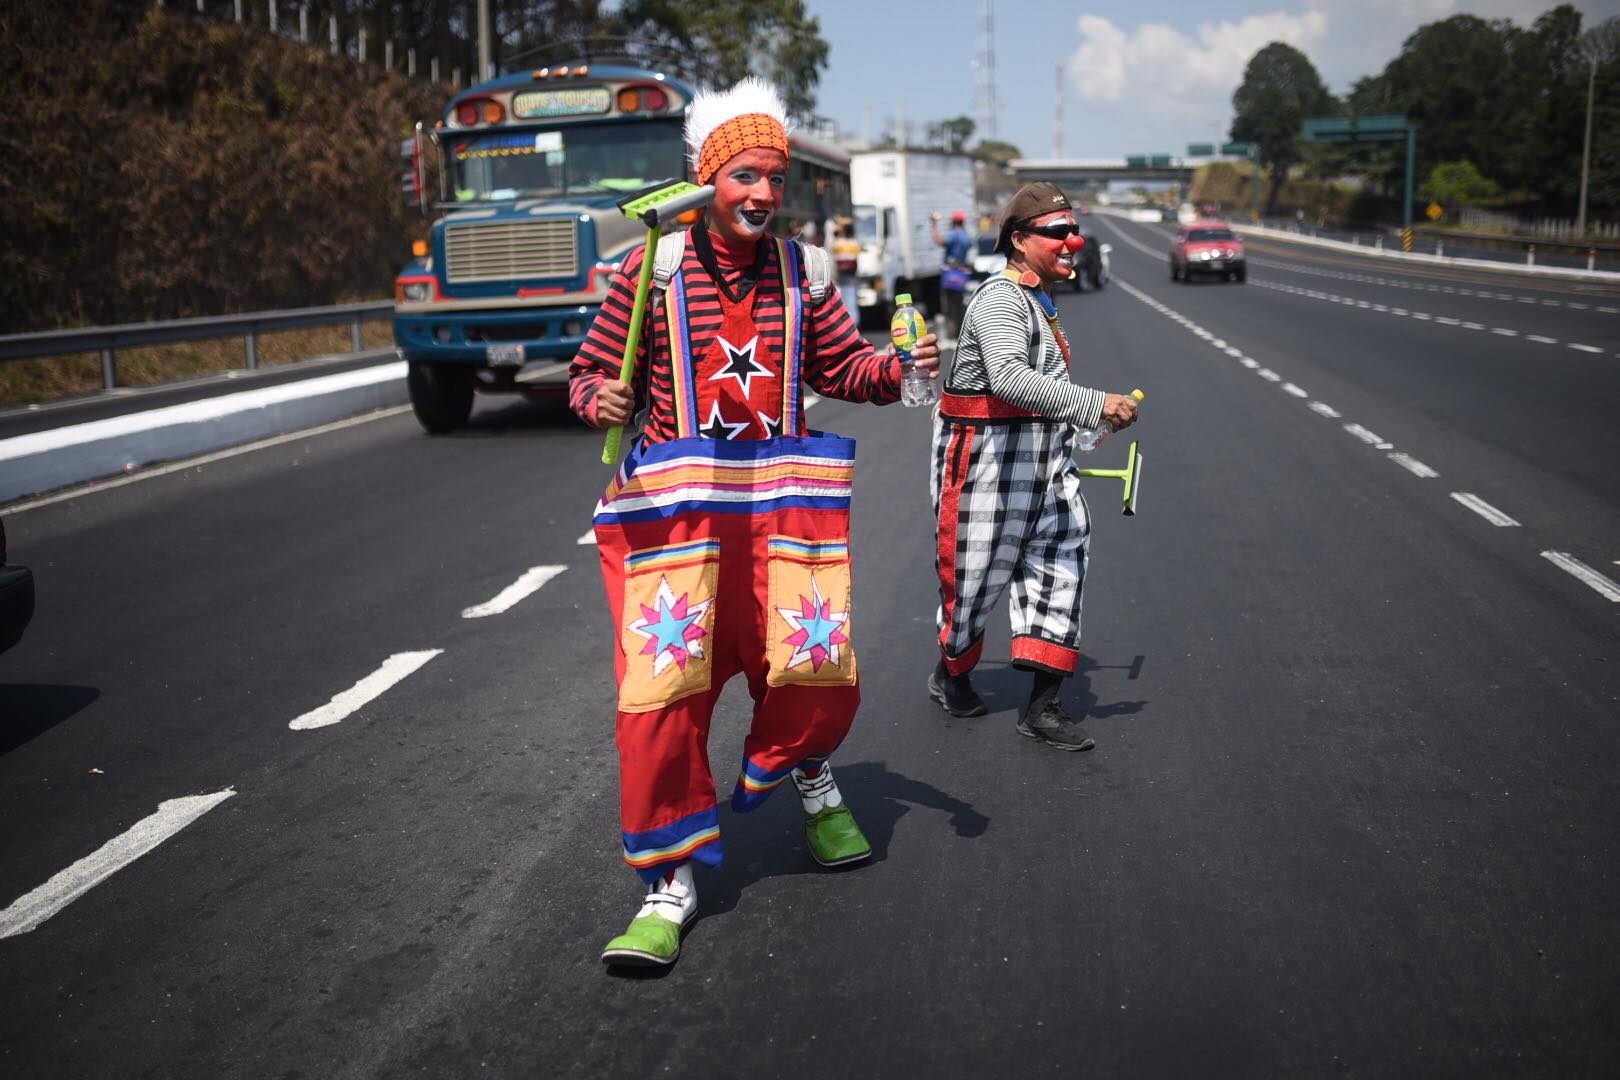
<point>724,537</point>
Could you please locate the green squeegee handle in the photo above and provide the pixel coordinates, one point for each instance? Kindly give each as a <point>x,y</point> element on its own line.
<point>627,367</point>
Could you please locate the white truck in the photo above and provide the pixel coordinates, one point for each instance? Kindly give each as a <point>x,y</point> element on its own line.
<point>894,192</point>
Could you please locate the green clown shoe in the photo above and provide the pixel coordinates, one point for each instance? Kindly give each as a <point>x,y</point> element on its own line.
<point>829,826</point>
<point>654,936</point>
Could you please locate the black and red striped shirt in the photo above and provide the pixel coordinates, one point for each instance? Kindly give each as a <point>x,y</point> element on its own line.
<point>836,360</point>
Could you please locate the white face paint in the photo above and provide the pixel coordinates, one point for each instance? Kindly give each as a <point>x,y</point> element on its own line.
<point>752,224</point>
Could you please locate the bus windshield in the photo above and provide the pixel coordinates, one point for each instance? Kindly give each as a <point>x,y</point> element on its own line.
<point>490,166</point>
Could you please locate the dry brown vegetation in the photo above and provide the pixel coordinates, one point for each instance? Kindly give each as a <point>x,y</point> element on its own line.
<point>155,166</point>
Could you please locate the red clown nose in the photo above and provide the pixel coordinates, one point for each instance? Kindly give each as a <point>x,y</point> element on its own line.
<point>1074,243</point>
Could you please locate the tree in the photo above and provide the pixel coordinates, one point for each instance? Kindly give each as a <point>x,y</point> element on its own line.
<point>952,134</point>
<point>995,151</point>
<point>717,42</point>
<point>1458,183</point>
<point>1280,89</point>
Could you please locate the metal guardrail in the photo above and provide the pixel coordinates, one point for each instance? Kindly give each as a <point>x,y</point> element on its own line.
<point>109,339</point>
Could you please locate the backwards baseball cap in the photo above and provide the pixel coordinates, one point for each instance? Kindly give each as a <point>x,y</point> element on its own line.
<point>1032,201</point>
<point>958,215</point>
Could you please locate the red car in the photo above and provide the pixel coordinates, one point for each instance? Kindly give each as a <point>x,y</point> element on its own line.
<point>1207,247</point>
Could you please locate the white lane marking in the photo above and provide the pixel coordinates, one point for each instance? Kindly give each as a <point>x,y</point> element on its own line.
<point>588,538</point>
<point>1233,351</point>
<point>1413,466</point>
<point>1422,315</point>
<point>1269,375</point>
<point>1573,304</point>
<point>1447,320</point>
<point>1504,332</point>
<point>1609,310</point>
<point>213,408</point>
<point>33,908</point>
<point>1473,326</point>
<point>206,459</point>
<point>1585,348</point>
<point>1583,573</point>
<point>1219,343</point>
<point>1324,409</point>
<point>1539,339</point>
<point>1250,364</point>
<point>532,580</point>
<point>811,401</point>
<point>1484,509</point>
<point>1363,434</point>
<point>1290,388</point>
<point>393,669</point>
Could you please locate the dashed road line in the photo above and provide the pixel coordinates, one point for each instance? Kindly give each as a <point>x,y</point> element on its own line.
<point>588,538</point>
<point>368,689</point>
<point>1484,510</point>
<point>1406,461</point>
<point>33,908</point>
<point>1585,348</point>
<point>1364,435</point>
<point>530,582</point>
<point>1413,466</point>
<point>1541,339</point>
<point>1584,574</point>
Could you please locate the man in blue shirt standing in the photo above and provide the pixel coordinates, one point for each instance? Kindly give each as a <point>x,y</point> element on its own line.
<point>957,268</point>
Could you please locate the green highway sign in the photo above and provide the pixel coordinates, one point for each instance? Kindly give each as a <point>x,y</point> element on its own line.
<point>1355,129</point>
<point>1382,128</point>
<point>1200,149</point>
<point>1136,161</point>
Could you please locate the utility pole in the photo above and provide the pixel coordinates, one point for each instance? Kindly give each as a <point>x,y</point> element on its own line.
<point>1596,46</point>
<point>486,50</point>
<point>985,104</point>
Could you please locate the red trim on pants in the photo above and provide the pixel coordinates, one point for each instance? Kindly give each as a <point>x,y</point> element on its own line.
<point>957,456</point>
<point>981,406</point>
<point>1053,657</point>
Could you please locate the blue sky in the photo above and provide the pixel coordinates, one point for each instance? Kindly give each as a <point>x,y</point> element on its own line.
<point>1142,76</point>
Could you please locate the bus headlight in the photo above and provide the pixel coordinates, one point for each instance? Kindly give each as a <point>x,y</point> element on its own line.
<point>418,291</point>
<point>573,328</point>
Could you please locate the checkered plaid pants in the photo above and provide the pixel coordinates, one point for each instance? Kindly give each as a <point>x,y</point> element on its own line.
<point>1010,512</point>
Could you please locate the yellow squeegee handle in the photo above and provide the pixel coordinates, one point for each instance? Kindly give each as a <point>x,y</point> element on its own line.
<point>627,367</point>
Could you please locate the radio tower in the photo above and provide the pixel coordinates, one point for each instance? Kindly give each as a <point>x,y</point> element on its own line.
<point>985,103</point>
<point>1057,117</point>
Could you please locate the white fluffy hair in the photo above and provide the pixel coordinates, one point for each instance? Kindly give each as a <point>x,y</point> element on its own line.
<point>711,108</point>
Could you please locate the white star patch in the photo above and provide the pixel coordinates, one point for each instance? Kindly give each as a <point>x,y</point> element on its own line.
<point>718,427</point>
<point>740,363</point>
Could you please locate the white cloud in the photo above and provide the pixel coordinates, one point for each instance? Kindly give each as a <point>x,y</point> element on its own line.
<point>1160,69</point>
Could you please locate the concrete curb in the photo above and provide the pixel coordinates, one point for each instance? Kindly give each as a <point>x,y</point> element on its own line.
<point>44,460</point>
<point>1555,272</point>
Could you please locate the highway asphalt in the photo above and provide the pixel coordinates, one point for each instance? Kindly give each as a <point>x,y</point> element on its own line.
<point>1352,809</point>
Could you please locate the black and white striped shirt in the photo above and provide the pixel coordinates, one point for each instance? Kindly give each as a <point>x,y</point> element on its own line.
<point>995,352</point>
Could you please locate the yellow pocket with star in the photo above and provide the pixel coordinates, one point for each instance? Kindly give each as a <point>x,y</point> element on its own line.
<point>808,620</point>
<point>668,623</point>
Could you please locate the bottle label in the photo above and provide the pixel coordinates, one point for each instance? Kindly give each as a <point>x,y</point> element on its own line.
<point>905,328</point>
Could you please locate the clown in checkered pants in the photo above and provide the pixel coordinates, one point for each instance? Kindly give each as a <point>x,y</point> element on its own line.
<point>1005,487</point>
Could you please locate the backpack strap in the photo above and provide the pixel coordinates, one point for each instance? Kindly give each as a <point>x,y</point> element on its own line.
<point>667,259</point>
<point>818,269</point>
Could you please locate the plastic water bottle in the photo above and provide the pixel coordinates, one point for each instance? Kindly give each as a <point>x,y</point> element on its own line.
<point>905,328</point>
<point>1087,438</point>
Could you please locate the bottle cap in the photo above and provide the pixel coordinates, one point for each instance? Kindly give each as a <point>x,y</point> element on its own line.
<point>903,298</point>
<point>1137,394</point>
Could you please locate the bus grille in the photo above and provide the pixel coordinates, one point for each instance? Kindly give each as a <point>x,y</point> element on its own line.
<point>510,249</point>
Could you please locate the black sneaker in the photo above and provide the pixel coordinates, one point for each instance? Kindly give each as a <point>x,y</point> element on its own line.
<point>955,694</point>
<point>1056,728</point>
